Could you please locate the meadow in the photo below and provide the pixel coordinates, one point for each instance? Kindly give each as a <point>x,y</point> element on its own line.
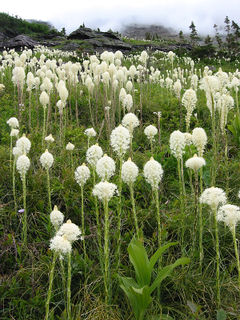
<point>119,186</point>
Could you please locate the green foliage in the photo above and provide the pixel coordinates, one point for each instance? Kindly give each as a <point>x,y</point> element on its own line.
<point>234,127</point>
<point>139,291</point>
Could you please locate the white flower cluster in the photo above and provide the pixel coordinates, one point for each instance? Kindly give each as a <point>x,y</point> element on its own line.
<point>189,101</point>
<point>23,144</point>
<point>94,153</point>
<point>213,197</point>
<point>49,138</point>
<point>90,132</point>
<point>153,173</point>
<point>60,245</point>
<point>46,160</point>
<point>130,121</point>
<point>104,190</point>
<point>129,172</point>
<point>199,139</point>
<point>230,215</point>
<point>13,123</point>
<point>69,230</point>
<point>14,133</point>
<point>56,217</point>
<point>44,99</point>
<point>82,174</point>
<point>22,165</point>
<point>177,143</point>
<point>105,167</point>
<point>70,146</point>
<point>195,163</point>
<point>120,140</point>
<point>150,131</point>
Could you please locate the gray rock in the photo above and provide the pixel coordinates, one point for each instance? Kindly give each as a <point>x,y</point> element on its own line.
<point>18,42</point>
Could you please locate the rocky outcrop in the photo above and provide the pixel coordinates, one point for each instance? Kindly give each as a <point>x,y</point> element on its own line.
<point>18,42</point>
<point>87,33</point>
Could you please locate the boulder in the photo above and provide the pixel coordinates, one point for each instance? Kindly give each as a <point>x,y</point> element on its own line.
<point>18,42</point>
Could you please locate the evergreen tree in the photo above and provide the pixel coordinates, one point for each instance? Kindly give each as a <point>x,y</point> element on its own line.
<point>193,35</point>
<point>181,37</point>
<point>218,37</point>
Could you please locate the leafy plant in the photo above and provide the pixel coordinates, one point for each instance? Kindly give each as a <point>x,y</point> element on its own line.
<point>139,291</point>
<point>234,127</point>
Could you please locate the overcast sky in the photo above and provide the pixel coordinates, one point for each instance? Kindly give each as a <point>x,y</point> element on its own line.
<point>106,14</point>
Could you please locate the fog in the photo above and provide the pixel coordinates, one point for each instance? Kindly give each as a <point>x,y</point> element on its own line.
<point>105,14</point>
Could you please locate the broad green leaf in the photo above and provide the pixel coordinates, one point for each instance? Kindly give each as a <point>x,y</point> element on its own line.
<point>139,259</point>
<point>166,271</point>
<point>221,315</point>
<point>158,253</point>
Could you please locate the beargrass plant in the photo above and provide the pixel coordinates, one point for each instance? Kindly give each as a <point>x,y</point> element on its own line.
<point>139,290</point>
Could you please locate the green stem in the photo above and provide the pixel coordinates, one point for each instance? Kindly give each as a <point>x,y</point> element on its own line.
<point>49,191</point>
<point>201,222</point>
<point>134,210</point>
<point>181,201</point>
<point>50,286</point>
<point>106,252</point>
<point>236,254</point>
<point>14,184</point>
<point>10,158</point>
<point>69,288</point>
<point>214,159</point>
<point>83,232</point>
<point>217,260</point>
<point>158,218</point>
<point>119,214</point>
<point>25,210</point>
<point>44,124</point>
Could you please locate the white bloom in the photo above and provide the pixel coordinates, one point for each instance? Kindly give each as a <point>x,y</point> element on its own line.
<point>153,173</point>
<point>105,167</point>
<point>213,197</point>
<point>46,160</point>
<point>90,132</point>
<point>189,101</point>
<point>49,138</point>
<point>69,230</point>
<point>120,140</point>
<point>23,144</point>
<point>16,152</point>
<point>94,153</point>
<point>199,139</point>
<point>70,146</point>
<point>56,217</point>
<point>130,121</point>
<point>14,133</point>
<point>150,131</point>
<point>44,99</point>
<point>82,174</point>
<point>177,143</point>
<point>195,163</point>
<point>188,138</point>
<point>128,102</point>
<point>13,123</point>
<point>22,165</point>
<point>230,215</point>
<point>104,190</point>
<point>60,245</point>
<point>129,171</point>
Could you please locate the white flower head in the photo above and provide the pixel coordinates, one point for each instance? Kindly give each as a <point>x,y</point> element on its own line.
<point>199,139</point>
<point>82,174</point>
<point>129,172</point>
<point>14,133</point>
<point>13,123</point>
<point>70,146</point>
<point>230,215</point>
<point>104,190</point>
<point>49,138</point>
<point>94,153</point>
<point>56,217</point>
<point>24,144</point>
<point>60,244</point>
<point>195,163</point>
<point>150,131</point>
<point>120,140</point>
<point>153,173</point>
<point>130,121</point>
<point>22,165</point>
<point>69,230</point>
<point>105,167</point>
<point>213,197</point>
<point>90,132</point>
<point>46,160</point>
<point>177,143</point>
